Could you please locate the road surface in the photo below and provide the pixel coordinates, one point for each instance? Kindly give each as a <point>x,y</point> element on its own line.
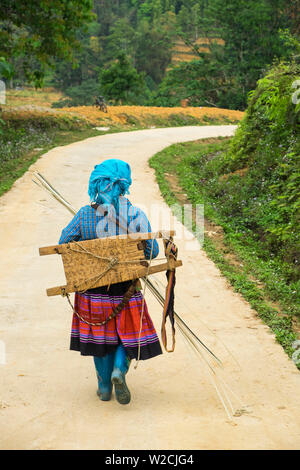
<point>48,393</point>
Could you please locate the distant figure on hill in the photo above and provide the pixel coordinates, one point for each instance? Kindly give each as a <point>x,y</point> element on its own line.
<point>184,103</point>
<point>100,103</point>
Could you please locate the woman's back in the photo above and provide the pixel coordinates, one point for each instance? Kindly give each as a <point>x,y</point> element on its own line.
<point>98,222</point>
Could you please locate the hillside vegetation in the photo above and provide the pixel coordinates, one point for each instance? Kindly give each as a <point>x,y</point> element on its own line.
<point>250,188</point>
<point>145,52</point>
<point>261,189</point>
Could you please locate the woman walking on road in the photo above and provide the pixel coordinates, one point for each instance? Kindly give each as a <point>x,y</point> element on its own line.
<point>114,342</point>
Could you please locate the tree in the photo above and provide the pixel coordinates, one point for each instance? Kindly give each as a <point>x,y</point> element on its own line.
<point>191,19</point>
<point>82,95</point>
<point>199,81</point>
<point>6,69</point>
<point>154,45</point>
<point>39,31</point>
<point>251,40</point>
<point>121,79</point>
<point>86,62</point>
<point>251,33</point>
<point>122,38</point>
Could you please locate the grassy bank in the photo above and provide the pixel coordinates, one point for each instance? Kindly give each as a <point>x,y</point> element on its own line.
<point>193,172</point>
<point>148,116</point>
<point>128,117</point>
<point>24,137</point>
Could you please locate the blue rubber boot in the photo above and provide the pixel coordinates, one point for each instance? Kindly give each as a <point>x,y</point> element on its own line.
<point>104,366</point>
<point>121,366</point>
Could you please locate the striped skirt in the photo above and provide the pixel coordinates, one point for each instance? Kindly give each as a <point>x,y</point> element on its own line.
<point>95,306</point>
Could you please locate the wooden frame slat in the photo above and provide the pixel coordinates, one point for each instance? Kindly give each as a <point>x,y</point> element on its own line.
<point>104,261</point>
<point>60,290</point>
<point>59,249</point>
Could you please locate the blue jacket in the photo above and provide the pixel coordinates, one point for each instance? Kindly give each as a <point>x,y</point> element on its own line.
<point>90,223</point>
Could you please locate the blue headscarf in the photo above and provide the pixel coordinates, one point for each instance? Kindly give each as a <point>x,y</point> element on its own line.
<point>108,181</point>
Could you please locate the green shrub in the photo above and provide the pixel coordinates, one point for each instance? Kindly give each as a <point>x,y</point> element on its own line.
<point>268,144</point>
<point>81,95</point>
<point>256,181</point>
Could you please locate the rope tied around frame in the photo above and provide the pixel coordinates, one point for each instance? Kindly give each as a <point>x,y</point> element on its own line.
<point>113,261</point>
<point>168,311</point>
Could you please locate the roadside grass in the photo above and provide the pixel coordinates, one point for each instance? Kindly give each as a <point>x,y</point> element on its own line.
<point>263,280</point>
<point>25,138</point>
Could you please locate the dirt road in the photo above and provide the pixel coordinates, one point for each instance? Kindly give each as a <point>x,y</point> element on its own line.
<point>48,393</point>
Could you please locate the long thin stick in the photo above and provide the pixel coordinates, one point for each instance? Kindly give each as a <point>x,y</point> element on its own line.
<point>195,343</point>
<point>160,299</point>
<point>44,184</point>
